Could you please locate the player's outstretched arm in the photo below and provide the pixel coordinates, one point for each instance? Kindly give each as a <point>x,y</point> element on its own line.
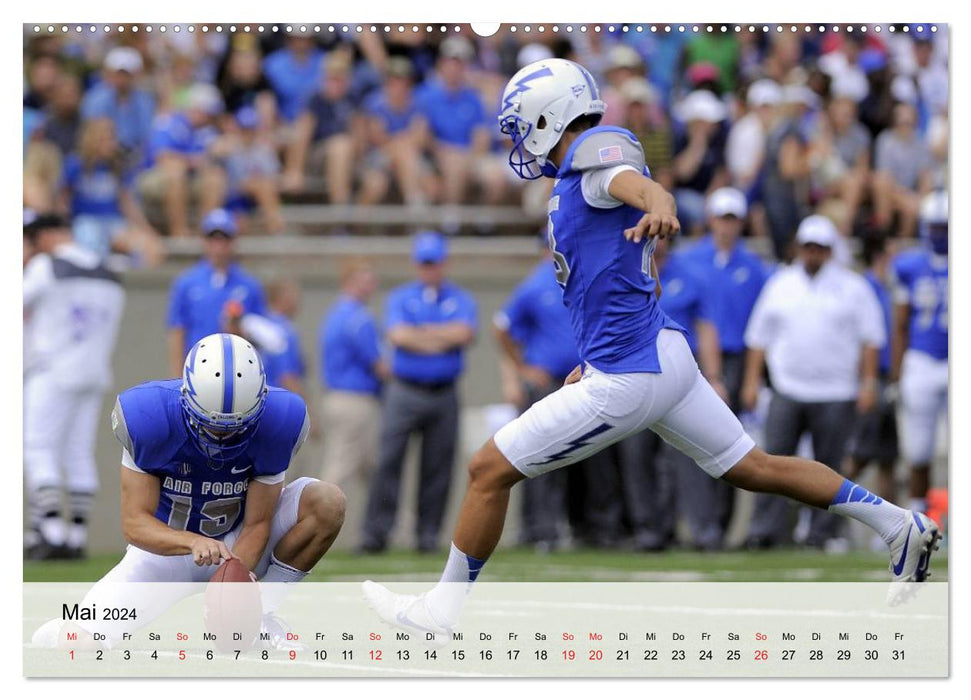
<point>261,500</point>
<point>140,527</point>
<point>661,212</point>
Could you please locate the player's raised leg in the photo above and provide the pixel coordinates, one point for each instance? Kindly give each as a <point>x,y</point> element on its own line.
<point>910,536</point>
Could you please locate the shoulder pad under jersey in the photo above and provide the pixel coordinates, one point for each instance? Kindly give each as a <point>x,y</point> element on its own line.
<point>283,429</point>
<point>146,420</point>
<point>607,147</point>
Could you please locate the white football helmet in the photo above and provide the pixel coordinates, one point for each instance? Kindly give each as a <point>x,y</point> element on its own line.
<point>934,221</point>
<point>223,394</point>
<point>538,104</point>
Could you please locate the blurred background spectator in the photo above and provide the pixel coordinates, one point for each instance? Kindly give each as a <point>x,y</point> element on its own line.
<point>852,125</point>
<point>119,98</point>
<point>459,125</point>
<point>901,171</point>
<point>97,186</point>
<point>294,74</point>
<point>658,483</point>
<point>429,323</point>
<point>352,371</point>
<point>200,296</point>
<point>328,132</point>
<point>180,165</point>
<point>819,328</point>
<point>699,160</point>
<point>286,368</point>
<point>396,134</point>
<point>252,167</point>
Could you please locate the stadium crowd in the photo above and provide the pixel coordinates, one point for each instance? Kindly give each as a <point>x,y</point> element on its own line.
<point>142,135</point>
<point>172,125</point>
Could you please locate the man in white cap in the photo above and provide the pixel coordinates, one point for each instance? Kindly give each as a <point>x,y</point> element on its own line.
<point>623,64</point>
<point>699,163</point>
<point>180,162</point>
<point>819,328</point>
<point>746,145</point>
<point>118,97</point>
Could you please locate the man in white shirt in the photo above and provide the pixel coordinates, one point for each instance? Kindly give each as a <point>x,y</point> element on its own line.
<point>819,328</point>
<point>75,304</point>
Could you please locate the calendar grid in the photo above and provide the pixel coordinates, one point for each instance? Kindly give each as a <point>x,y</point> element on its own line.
<point>519,630</point>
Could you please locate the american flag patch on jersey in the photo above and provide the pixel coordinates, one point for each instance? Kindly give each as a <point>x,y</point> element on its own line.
<point>611,154</point>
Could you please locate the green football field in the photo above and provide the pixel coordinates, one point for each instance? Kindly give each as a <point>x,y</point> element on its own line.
<point>578,565</point>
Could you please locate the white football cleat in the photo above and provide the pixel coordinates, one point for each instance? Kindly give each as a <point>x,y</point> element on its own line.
<point>48,635</point>
<point>910,556</point>
<point>406,612</point>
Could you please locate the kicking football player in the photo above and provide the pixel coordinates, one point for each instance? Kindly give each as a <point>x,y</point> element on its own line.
<point>919,341</point>
<point>202,472</point>
<point>605,214</point>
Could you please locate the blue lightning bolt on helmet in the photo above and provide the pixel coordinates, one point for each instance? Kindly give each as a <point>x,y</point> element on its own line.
<point>933,221</point>
<point>537,106</point>
<point>223,395</point>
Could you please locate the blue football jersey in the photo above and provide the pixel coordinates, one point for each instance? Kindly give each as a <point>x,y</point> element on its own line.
<point>196,495</point>
<point>606,280</point>
<point>920,280</point>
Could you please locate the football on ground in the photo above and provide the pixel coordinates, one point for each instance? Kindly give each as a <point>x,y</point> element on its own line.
<point>233,608</point>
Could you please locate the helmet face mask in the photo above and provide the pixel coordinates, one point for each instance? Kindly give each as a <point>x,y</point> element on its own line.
<point>223,396</point>
<point>537,106</point>
<point>523,163</point>
<point>219,437</point>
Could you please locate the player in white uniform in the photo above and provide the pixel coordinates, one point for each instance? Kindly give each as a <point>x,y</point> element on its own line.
<point>637,371</point>
<point>74,303</point>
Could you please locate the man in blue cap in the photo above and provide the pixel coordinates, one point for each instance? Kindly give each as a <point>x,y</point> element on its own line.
<point>429,322</point>
<point>208,293</point>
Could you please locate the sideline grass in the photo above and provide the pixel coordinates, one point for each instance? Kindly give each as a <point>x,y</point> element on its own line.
<point>578,565</point>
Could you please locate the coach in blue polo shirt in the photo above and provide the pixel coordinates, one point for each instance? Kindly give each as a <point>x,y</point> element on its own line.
<point>202,296</point>
<point>429,323</point>
<point>352,371</point>
<point>734,278</point>
<point>539,350</point>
